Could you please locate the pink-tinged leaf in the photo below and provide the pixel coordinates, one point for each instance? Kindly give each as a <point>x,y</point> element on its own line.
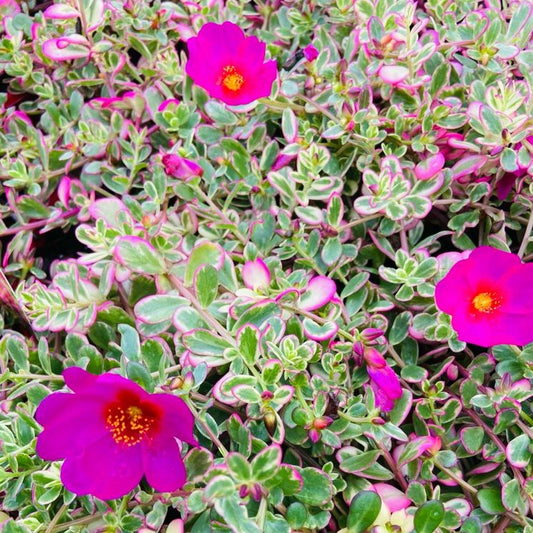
<point>393,498</point>
<point>107,209</point>
<point>255,274</point>
<point>66,48</point>
<point>518,451</point>
<point>61,12</point>
<point>320,290</point>
<point>468,165</point>
<point>431,166</point>
<point>94,13</point>
<point>319,332</point>
<point>393,74</point>
<point>139,255</point>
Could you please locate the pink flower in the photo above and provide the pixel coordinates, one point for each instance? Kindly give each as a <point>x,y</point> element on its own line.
<point>255,274</point>
<point>490,298</point>
<point>310,52</point>
<point>229,65</point>
<point>111,432</point>
<point>383,380</point>
<point>181,167</point>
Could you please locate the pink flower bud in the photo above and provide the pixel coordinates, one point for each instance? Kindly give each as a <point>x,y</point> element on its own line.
<point>180,167</point>
<point>310,52</point>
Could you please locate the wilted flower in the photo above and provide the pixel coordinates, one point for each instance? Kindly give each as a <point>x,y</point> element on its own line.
<point>310,52</point>
<point>111,432</point>
<point>490,298</point>
<point>383,379</point>
<point>181,167</point>
<point>229,65</point>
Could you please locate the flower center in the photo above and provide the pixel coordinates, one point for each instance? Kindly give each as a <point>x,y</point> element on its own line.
<point>128,424</point>
<point>231,79</point>
<point>487,302</point>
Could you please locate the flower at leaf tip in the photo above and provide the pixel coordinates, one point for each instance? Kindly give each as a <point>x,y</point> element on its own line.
<point>111,432</point>
<point>489,296</point>
<point>229,65</point>
<point>383,380</point>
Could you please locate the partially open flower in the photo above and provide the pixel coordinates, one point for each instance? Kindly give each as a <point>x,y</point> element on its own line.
<point>229,65</point>
<point>111,432</point>
<point>181,167</point>
<point>490,298</point>
<point>383,379</point>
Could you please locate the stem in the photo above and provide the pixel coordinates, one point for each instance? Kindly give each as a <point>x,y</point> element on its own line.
<point>455,477</point>
<point>527,234</point>
<point>39,223</point>
<point>56,518</point>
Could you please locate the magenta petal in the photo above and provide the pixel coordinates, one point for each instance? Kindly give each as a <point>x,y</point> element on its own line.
<point>177,419</point>
<point>53,404</point>
<point>104,470</point>
<point>453,290</point>
<point>72,430</point>
<point>487,264</point>
<point>77,378</point>
<point>517,285</point>
<point>320,290</point>
<point>163,465</point>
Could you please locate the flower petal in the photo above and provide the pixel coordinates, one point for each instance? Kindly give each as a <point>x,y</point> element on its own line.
<point>163,465</point>
<point>104,470</point>
<point>177,419</point>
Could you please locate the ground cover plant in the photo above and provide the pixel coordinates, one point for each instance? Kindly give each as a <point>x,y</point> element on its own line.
<point>267,266</point>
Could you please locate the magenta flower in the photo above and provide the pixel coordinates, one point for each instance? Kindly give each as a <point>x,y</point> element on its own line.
<point>181,167</point>
<point>229,65</point>
<point>111,432</point>
<point>490,298</point>
<point>383,380</point>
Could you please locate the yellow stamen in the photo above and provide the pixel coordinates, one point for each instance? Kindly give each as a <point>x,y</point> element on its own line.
<point>231,79</point>
<point>128,425</point>
<point>486,302</point>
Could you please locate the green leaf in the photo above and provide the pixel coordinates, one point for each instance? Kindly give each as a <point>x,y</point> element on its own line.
<point>490,501</point>
<point>203,342</point>
<point>512,497</point>
<point>400,328</point>
<point>139,256</point>
<point>129,342</point>
<point>248,343</point>
<point>239,467</point>
<point>206,285</point>
<point>472,439</point>
<point>518,452</point>
<point>289,124</point>
<point>266,463</point>
<point>317,489</point>
<point>429,516</point>
<point>219,487</point>
<point>205,253</point>
<point>364,510</point>
<point>220,114</point>
<point>331,251</point>
<point>235,515</point>
<point>356,461</point>
<point>296,515</point>
<point>17,349</point>
<point>140,374</point>
<point>258,314</point>
<point>158,308</point>
<point>197,462</point>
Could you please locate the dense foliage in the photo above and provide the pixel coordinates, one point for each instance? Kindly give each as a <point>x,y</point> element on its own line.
<point>397,137</point>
